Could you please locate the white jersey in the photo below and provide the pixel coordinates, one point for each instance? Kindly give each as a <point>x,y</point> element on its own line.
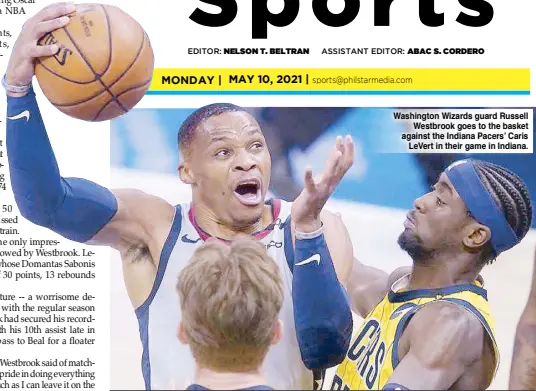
<point>167,362</point>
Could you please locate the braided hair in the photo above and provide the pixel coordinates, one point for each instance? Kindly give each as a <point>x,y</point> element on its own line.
<point>512,196</point>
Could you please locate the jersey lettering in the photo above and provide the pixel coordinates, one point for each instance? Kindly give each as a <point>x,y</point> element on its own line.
<point>365,360</point>
<point>375,370</point>
<point>337,384</point>
<point>357,348</point>
<point>368,352</point>
<point>371,361</point>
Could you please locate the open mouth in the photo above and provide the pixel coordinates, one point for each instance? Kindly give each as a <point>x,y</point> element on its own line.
<point>248,192</point>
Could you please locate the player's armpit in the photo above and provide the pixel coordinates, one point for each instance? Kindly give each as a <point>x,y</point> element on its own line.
<point>138,231</point>
<point>76,208</point>
<point>367,286</point>
<point>443,342</point>
<point>142,221</point>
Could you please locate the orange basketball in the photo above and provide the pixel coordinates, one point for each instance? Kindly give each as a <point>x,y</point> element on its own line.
<point>104,65</point>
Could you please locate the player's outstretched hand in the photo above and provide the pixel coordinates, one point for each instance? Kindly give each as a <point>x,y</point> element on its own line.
<point>308,205</point>
<point>20,69</point>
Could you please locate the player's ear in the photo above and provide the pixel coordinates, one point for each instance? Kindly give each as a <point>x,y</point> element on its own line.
<point>477,236</point>
<point>181,334</point>
<point>185,173</point>
<point>278,332</point>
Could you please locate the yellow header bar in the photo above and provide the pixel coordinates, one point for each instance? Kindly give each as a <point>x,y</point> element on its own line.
<point>344,80</point>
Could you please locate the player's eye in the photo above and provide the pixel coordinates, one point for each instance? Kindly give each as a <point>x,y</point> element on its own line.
<point>257,145</point>
<point>223,152</point>
<point>439,201</point>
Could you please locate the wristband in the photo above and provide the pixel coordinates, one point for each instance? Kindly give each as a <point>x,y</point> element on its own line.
<point>15,89</point>
<point>309,235</point>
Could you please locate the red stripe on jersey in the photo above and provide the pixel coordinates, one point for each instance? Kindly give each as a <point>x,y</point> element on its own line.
<point>276,209</point>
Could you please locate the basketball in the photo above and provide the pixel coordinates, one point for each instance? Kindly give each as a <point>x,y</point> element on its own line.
<point>104,65</point>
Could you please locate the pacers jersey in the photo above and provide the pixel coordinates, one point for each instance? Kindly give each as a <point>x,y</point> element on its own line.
<point>168,363</point>
<point>373,353</point>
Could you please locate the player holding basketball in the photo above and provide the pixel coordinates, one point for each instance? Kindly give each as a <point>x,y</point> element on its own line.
<point>230,300</point>
<point>523,367</point>
<point>226,162</point>
<point>431,327</point>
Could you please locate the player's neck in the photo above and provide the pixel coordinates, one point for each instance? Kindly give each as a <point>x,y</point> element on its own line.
<point>228,380</point>
<point>208,222</point>
<point>440,274</point>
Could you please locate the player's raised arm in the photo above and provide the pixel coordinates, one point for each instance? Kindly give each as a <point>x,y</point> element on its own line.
<point>523,369</point>
<point>323,260</point>
<point>75,208</point>
<point>366,285</point>
<point>439,344</point>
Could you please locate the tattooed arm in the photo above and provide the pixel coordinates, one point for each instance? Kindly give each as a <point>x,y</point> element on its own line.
<point>523,370</point>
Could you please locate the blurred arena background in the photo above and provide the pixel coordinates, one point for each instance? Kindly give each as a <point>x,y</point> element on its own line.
<point>373,200</point>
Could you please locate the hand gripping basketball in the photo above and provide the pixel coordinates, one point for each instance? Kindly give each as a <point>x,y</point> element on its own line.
<point>20,69</point>
<point>94,65</point>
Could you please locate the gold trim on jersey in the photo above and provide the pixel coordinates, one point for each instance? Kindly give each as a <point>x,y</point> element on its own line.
<point>373,353</point>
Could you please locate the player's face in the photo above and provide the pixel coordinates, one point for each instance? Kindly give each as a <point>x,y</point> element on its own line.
<point>437,224</point>
<point>232,167</point>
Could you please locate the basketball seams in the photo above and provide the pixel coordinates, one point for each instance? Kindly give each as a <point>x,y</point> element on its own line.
<point>109,28</point>
<point>102,109</point>
<point>97,76</point>
<point>71,104</point>
<point>110,41</point>
<point>128,68</point>
<point>133,61</point>
<point>117,98</point>
<point>119,87</point>
<point>134,87</point>
<point>144,38</point>
<point>63,77</point>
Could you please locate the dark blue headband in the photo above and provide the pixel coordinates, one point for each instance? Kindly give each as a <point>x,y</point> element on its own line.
<point>478,200</point>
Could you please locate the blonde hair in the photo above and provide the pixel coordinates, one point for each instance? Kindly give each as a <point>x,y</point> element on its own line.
<point>230,297</point>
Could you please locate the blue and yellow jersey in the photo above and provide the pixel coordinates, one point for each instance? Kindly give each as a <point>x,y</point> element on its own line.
<point>373,353</point>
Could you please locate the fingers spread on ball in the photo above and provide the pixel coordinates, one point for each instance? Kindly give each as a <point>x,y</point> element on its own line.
<point>50,25</point>
<point>35,51</point>
<point>54,11</point>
